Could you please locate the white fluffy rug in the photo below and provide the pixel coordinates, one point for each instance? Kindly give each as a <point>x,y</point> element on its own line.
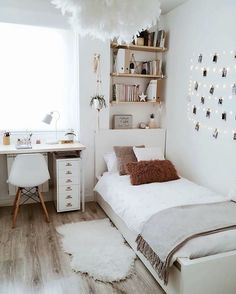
<point>98,249</point>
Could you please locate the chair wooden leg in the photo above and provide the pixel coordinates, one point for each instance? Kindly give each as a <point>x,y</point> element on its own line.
<point>43,206</point>
<point>15,200</point>
<point>17,205</point>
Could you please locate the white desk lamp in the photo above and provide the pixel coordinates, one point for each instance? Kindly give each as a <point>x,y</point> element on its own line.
<point>48,119</point>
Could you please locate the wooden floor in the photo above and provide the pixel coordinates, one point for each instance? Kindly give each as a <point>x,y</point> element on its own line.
<point>31,258</point>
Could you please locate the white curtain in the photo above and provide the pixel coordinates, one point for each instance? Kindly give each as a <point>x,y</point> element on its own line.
<point>38,74</point>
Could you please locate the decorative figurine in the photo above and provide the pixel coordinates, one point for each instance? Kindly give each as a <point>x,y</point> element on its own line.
<point>142,97</point>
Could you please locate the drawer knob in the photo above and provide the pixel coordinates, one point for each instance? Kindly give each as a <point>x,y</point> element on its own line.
<point>68,181</point>
<point>68,189</point>
<point>68,164</point>
<point>68,197</point>
<point>68,172</point>
<point>68,204</point>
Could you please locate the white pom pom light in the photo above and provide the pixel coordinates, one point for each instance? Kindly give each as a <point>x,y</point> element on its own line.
<point>106,19</point>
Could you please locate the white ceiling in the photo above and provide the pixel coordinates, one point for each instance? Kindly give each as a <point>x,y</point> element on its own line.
<point>46,6</point>
<point>168,5</point>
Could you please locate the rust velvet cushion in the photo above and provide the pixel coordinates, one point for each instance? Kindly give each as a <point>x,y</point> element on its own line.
<point>124,155</point>
<point>144,172</point>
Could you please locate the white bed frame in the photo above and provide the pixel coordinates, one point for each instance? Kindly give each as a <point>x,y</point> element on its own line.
<point>215,274</point>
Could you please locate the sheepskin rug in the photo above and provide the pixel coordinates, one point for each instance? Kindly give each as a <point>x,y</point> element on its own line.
<point>98,249</point>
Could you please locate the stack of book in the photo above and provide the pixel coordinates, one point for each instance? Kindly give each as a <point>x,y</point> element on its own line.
<point>125,93</point>
<point>155,39</point>
<point>152,67</point>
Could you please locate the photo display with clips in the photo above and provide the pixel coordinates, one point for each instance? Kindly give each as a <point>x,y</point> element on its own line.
<point>212,93</point>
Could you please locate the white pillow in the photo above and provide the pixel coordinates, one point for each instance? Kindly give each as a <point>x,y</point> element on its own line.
<point>149,153</point>
<point>111,162</point>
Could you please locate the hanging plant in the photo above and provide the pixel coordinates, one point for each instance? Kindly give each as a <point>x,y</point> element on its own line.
<point>98,102</point>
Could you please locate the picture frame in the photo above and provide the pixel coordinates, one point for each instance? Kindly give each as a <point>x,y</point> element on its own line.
<point>122,121</point>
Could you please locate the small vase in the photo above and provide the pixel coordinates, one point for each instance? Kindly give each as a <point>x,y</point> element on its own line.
<point>152,124</point>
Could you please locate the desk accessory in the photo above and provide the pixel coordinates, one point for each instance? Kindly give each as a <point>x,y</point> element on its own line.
<point>66,141</point>
<point>48,119</point>
<point>6,138</point>
<point>24,143</point>
<point>70,135</point>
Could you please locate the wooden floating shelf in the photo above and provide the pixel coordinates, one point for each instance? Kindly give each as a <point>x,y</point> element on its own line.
<point>134,102</point>
<point>138,48</point>
<point>128,75</point>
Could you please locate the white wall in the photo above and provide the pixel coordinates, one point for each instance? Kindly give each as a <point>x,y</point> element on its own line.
<point>87,87</point>
<point>198,26</point>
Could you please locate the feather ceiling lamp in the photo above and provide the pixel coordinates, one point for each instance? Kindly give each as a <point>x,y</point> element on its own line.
<point>106,19</point>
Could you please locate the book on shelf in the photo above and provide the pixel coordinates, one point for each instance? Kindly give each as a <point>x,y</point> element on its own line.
<point>125,93</point>
<point>151,39</point>
<point>152,67</point>
<point>161,37</point>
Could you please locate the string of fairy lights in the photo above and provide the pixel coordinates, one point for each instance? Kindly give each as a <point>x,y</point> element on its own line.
<point>212,93</point>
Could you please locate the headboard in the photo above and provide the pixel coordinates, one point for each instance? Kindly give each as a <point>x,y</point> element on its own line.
<point>106,139</point>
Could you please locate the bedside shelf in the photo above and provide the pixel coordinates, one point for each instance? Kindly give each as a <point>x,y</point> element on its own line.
<point>138,48</point>
<point>128,75</point>
<point>114,103</point>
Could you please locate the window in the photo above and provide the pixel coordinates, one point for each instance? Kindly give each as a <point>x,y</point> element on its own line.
<point>38,74</point>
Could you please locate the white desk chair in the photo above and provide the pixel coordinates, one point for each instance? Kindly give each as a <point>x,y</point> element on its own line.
<point>27,173</point>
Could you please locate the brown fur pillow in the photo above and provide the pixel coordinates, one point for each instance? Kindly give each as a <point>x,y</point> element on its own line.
<point>124,155</point>
<point>144,172</point>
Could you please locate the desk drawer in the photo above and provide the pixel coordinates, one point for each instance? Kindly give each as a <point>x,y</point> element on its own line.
<point>68,180</point>
<point>65,164</point>
<point>69,188</point>
<point>68,201</point>
<point>69,171</point>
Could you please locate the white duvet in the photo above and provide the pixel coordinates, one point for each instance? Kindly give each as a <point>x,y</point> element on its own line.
<point>136,204</point>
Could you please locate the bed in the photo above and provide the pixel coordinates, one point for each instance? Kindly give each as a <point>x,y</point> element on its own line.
<point>190,273</point>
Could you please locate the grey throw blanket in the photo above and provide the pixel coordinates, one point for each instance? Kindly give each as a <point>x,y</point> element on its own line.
<point>168,230</point>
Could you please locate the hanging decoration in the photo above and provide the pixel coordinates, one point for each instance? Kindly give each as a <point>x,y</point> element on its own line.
<point>108,19</point>
<point>98,101</point>
<point>212,93</point>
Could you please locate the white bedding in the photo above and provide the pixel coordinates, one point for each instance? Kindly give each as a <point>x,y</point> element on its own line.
<point>136,204</point>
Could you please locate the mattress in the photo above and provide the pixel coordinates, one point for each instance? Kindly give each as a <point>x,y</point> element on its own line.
<point>136,204</point>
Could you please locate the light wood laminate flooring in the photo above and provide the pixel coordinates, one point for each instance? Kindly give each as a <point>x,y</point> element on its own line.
<point>32,261</point>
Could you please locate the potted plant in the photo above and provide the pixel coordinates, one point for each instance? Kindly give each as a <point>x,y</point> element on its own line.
<point>98,102</point>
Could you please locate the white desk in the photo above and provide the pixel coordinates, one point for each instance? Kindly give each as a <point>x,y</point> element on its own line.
<point>48,148</point>
<point>11,149</point>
